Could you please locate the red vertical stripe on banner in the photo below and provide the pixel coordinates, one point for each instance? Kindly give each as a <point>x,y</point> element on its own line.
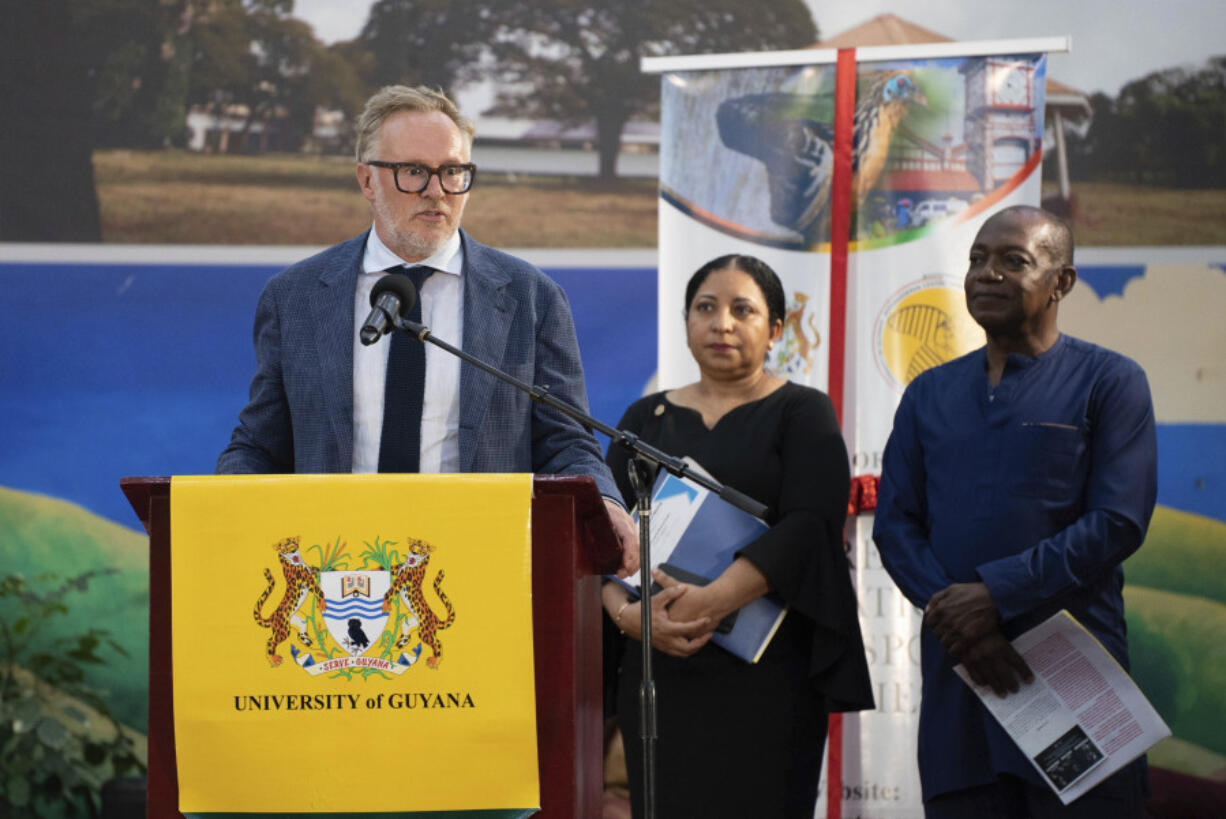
<point>840,219</point>
<point>840,234</point>
<point>834,767</point>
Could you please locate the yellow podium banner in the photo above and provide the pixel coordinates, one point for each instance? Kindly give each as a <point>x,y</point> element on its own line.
<point>353,643</point>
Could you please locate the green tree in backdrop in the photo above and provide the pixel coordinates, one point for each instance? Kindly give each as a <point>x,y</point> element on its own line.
<point>438,43</point>
<point>1166,128</point>
<point>252,59</point>
<point>578,60</point>
<point>123,73</point>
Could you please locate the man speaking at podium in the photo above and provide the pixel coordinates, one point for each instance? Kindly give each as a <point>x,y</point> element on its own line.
<point>321,401</point>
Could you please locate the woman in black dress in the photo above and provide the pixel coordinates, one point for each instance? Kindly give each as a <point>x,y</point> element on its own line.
<point>735,739</point>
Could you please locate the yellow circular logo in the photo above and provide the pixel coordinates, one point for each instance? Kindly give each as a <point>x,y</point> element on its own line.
<point>922,325</point>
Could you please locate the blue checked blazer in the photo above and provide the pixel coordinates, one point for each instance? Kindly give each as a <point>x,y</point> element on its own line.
<point>300,414</point>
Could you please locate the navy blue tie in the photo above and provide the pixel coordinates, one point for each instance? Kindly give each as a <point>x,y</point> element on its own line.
<point>400,444</point>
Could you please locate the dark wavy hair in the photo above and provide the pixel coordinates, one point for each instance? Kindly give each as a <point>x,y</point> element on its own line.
<point>758,270</point>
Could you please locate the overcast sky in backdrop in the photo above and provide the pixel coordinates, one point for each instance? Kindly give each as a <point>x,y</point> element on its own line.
<point>1114,41</point>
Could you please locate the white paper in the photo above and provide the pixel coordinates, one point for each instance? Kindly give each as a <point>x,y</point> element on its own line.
<point>671,516</point>
<point>1082,718</point>
<point>671,513</point>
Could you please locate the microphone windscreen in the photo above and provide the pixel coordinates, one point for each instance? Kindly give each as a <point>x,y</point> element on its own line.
<point>400,286</point>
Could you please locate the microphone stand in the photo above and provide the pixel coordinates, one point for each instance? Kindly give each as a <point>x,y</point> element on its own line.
<point>652,455</point>
<point>640,478</point>
<point>640,469</point>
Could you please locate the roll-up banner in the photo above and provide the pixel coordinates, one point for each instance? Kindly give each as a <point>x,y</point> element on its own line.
<point>861,177</point>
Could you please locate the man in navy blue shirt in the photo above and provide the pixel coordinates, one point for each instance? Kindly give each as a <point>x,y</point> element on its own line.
<point>1015,481</point>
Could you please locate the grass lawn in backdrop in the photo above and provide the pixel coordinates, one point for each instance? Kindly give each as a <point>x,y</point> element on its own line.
<point>179,197</point>
<point>1110,214</point>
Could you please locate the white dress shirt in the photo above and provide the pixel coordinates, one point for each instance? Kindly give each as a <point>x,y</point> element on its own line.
<point>442,310</point>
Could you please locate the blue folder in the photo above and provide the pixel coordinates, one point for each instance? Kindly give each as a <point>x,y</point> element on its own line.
<point>705,549</point>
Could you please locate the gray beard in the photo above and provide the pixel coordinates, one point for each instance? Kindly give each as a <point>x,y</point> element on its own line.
<point>406,244</point>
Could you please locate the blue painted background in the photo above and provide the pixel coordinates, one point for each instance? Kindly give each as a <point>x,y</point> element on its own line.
<point>135,369</point>
<point>116,370</point>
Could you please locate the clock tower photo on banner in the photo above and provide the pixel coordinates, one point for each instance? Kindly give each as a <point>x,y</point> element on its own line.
<point>1011,84</point>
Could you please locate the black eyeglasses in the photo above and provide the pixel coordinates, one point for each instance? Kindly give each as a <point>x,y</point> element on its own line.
<point>413,177</point>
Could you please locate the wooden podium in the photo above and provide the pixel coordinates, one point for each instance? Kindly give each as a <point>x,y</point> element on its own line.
<point>572,545</point>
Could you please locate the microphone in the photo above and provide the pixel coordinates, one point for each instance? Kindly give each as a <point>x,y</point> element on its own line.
<point>392,297</point>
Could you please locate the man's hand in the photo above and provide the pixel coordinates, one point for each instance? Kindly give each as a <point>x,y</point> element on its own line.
<point>627,534</point>
<point>961,615</point>
<point>993,662</point>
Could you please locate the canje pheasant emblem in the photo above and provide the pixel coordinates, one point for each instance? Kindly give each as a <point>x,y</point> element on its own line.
<point>798,151</point>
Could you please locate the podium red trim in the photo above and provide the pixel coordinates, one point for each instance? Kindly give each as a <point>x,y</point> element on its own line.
<point>572,545</point>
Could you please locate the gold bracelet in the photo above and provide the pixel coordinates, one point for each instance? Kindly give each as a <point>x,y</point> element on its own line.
<point>617,618</point>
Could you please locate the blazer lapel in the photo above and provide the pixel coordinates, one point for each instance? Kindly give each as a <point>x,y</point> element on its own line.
<point>332,306</point>
<point>488,312</point>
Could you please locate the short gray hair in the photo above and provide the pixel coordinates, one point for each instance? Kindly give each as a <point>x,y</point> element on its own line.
<point>392,99</point>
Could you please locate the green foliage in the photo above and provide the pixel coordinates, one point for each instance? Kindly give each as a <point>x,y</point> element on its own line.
<point>1177,548</point>
<point>1165,128</point>
<point>51,751</point>
<point>941,88</point>
<point>1176,754</point>
<point>138,64</point>
<point>330,556</point>
<point>42,534</point>
<point>380,553</point>
<point>253,61</point>
<point>144,62</point>
<point>578,60</point>
<point>437,43</point>
<point>1156,665</point>
<point>1176,615</point>
<point>1179,661</point>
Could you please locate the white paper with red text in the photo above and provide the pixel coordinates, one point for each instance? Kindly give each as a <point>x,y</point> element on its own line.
<point>1082,718</point>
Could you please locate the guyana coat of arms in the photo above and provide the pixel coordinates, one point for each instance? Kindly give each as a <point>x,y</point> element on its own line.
<point>372,619</point>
